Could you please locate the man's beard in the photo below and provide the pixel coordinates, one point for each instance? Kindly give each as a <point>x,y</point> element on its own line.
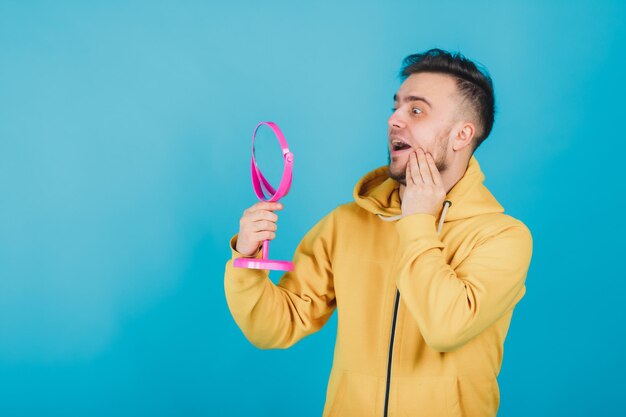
<point>440,162</point>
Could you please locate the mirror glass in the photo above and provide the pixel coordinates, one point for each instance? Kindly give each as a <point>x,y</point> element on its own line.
<point>269,157</point>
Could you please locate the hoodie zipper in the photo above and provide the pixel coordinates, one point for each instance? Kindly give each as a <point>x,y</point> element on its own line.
<point>439,221</point>
<point>390,357</point>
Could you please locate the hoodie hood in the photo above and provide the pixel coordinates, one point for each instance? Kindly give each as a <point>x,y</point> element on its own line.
<point>379,194</point>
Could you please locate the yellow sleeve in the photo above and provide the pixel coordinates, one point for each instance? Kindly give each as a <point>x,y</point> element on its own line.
<point>277,316</point>
<point>452,306</point>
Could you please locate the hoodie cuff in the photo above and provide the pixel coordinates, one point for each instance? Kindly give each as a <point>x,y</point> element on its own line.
<point>235,254</point>
<point>242,279</point>
<point>419,231</point>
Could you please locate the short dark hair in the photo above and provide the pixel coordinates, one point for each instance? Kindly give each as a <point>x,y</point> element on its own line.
<point>473,83</point>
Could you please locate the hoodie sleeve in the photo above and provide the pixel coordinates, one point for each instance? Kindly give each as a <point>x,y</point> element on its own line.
<point>278,315</point>
<point>452,306</point>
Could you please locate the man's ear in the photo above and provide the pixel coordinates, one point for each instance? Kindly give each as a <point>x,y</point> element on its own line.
<point>464,136</point>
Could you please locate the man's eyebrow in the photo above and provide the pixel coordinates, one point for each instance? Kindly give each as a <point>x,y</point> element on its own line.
<point>408,99</point>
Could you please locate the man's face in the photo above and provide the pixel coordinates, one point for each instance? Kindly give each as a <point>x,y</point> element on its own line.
<point>425,108</point>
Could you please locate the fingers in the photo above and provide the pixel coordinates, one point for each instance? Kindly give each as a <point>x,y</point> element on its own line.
<point>436,176</point>
<point>257,224</point>
<point>261,225</point>
<point>424,191</point>
<point>261,229</point>
<point>263,205</point>
<point>413,169</point>
<point>263,235</point>
<point>262,215</point>
<point>424,168</point>
<point>421,168</point>
<point>259,219</point>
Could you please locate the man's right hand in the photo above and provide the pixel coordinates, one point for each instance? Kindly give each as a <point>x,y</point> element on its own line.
<point>257,224</point>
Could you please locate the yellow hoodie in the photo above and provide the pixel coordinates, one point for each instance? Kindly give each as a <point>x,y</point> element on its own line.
<point>422,314</point>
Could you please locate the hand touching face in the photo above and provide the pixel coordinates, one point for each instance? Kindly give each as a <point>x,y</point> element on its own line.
<point>424,192</point>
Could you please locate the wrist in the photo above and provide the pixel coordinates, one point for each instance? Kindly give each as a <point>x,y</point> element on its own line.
<point>238,251</point>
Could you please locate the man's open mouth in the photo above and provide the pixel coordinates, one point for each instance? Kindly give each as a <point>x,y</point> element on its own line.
<point>398,145</point>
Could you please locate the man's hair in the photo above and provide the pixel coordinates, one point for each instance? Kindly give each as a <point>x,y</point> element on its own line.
<point>474,84</point>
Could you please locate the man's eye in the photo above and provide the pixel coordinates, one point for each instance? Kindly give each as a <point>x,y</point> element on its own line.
<point>416,110</point>
<point>393,109</point>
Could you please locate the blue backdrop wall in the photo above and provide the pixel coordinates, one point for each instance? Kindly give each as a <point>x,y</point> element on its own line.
<point>124,152</point>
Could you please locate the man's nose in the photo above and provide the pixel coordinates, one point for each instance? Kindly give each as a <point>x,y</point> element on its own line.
<point>395,120</point>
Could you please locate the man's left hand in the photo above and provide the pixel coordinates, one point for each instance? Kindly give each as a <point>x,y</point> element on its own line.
<point>424,192</point>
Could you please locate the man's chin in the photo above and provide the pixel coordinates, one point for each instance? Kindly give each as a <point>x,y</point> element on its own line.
<point>400,174</point>
<point>401,178</point>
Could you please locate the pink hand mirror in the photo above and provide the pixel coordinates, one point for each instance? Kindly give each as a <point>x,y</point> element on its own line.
<point>262,185</point>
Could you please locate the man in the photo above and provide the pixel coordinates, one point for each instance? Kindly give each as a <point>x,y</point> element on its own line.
<point>424,267</point>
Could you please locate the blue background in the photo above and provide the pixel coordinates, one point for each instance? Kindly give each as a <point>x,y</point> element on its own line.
<point>124,150</point>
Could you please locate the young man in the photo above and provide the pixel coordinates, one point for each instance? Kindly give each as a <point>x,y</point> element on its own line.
<point>424,267</point>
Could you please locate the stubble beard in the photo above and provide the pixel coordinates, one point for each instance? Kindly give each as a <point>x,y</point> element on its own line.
<point>440,162</point>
